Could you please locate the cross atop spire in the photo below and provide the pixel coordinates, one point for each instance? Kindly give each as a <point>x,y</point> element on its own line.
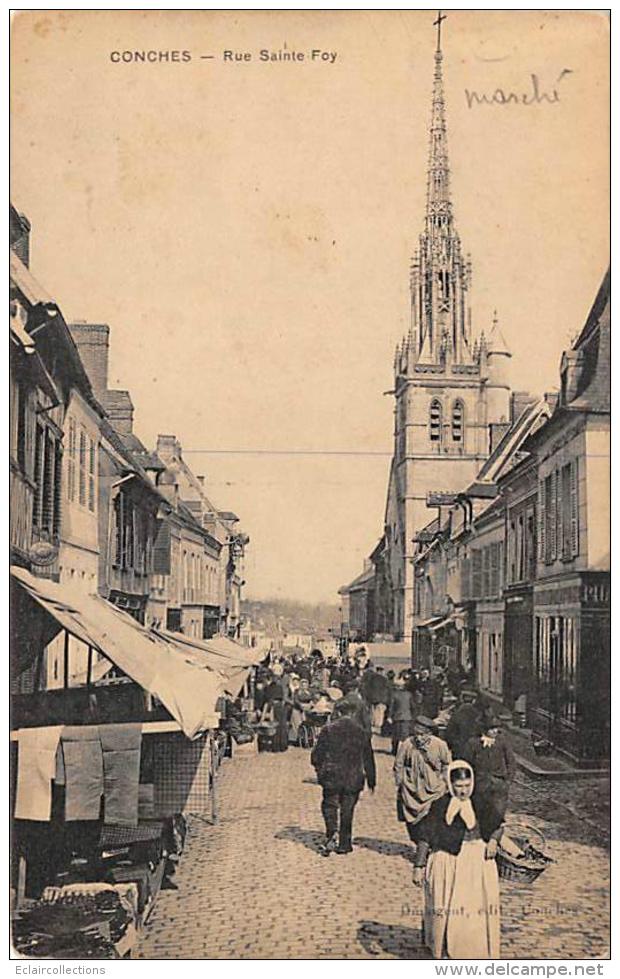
<point>438,206</point>
<point>437,23</point>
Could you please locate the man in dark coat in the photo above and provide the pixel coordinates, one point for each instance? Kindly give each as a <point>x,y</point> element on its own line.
<point>344,761</point>
<point>354,703</point>
<point>493,761</point>
<point>432,694</point>
<point>402,712</point>
<point>346,674</point>
<point>375,690</point>
<point>465,722</point>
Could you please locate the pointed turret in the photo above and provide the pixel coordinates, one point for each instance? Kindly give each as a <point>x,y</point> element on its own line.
<point>498,354</point>
<point>497,343</point>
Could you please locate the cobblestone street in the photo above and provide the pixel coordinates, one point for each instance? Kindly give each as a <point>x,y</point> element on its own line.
<point>254,885</point>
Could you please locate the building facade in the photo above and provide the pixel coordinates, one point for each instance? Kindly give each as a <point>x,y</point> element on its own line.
<point>54,452</point>
<point>570,691</point>
<point>225,544</point>
<point>129,505</point>
<point>513,575</point>
<point>358,600</point>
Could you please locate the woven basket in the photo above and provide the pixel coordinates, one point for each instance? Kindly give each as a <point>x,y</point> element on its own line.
<point>527,869</point>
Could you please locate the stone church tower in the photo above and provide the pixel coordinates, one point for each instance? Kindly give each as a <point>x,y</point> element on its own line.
<point>449,388</point>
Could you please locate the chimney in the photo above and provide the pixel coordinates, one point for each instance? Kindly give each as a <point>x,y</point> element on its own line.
<point>119,408</point>
<point>168,447</point>
<point>552,398</point>
<point>519,401</point>
<point>497,430</point>
<point>93,343</point>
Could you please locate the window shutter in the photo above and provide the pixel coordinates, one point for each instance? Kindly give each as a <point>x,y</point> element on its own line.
<point>476,563</point>
<point>541,520</point>
<point>553,516</point>
<point>82,467</point>
<point>118,530</point>
<point>71,461</point>
<point>57,489</point>
<point>486,565</point>
<point>561,504</point>
<point>574,508</point>
<point>132,550</point>
<point>465,579</point>
<point>92,464</point>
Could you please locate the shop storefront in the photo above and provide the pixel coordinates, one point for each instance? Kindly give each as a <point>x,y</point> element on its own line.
<point>518,639</point>
<point>570,668</point>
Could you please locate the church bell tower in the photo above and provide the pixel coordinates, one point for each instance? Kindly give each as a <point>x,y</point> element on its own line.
<point>448,387</point>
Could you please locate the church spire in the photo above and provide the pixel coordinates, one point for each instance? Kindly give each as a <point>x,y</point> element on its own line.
<point>440,274</point>
<point>438,205</point>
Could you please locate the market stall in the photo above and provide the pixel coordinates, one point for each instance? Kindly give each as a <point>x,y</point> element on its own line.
<point>105,771</point>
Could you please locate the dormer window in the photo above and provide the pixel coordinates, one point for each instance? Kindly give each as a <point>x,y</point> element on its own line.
<point>457,421</point>
<point>435,421</point>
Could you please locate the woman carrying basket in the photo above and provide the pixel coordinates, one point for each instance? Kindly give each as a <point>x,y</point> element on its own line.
<point>455,863</point>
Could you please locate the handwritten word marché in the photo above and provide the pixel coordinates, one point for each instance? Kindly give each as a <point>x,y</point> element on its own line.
<point>534,96</point>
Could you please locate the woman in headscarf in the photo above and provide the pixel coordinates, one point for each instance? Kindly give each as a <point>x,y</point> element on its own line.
<point>455,862</point>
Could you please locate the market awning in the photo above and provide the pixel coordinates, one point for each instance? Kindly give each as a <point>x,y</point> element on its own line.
<point>229,658</point>
<point>430,623</point>
<point>188,687</point>
<point>456,618</point>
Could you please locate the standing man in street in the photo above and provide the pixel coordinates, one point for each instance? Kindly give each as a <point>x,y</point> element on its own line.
<point>402,712</point>
<point>344,761</point>
<point>493,761</point>
<point>465,722</point>
<point>375,690</point>
<point>358,707</point>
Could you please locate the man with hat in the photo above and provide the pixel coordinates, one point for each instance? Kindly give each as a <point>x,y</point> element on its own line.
<point>465,721</point>
<point>420,771</point>
<point>344,762</point>
<point>493,761</point>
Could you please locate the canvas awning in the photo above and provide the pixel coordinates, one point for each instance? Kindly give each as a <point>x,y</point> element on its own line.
<point>431,623</point>
<point>185,683</point>
<point>229,658</point>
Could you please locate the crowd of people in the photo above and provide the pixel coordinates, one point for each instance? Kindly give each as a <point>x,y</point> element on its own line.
<point>452,769</point>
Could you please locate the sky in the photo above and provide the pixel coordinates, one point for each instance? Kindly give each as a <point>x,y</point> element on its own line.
<point>246,227</point>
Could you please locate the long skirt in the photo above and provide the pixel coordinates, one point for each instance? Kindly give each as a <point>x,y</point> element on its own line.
<point>461,904</point>
<point>377,714</point>
<point>297,717</point>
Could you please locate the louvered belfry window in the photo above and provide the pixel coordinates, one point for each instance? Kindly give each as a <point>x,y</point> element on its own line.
<point>457,421</point>
<point>435,421</point>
